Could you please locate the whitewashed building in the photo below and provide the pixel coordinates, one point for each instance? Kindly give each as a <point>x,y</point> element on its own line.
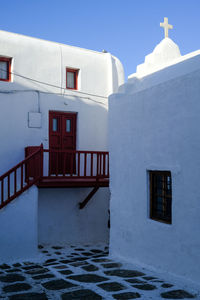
<point>155,163</point>
<point>55,95</point>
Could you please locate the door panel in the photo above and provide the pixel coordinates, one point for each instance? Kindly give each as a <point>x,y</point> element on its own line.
<point>62,136</point>
<point>69,141</point>
<point>55,143</point>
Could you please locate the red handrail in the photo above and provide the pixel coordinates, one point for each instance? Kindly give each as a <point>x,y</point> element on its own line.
<point>15,181</point>
<point>76,163</point>
<point>58,164</point>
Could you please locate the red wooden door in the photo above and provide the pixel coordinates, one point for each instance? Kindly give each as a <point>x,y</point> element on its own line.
<point>62,136</point>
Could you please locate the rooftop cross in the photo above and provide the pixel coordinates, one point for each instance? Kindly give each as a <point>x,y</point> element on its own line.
<point>166,26</point>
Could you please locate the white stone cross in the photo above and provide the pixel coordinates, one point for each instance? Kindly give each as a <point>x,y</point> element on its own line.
<point>166,26</point>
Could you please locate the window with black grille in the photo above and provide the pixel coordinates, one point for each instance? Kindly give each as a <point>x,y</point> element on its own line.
<point>161,196</point>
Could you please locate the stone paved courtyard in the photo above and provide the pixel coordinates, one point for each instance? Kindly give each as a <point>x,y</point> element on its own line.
<point>84,272</point>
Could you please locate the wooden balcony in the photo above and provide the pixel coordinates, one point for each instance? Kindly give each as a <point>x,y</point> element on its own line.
<point>55,169</point>
<point>71,168</point>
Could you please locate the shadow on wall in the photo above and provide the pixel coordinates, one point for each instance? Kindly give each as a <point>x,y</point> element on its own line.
<point>60,221</point>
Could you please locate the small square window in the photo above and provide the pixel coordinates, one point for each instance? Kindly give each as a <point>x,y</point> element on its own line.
<point>5,69</point>
<point>71,79</point>
<point>161,196</point>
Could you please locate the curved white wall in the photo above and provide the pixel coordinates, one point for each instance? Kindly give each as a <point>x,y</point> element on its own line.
<point>47,61</point>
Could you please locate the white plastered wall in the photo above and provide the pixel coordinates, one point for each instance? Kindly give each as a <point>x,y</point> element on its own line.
<point>62,222</point>
<point>46,62</point>
<point>157,129</point>
<point>24,119</point>
<point>19,230</point>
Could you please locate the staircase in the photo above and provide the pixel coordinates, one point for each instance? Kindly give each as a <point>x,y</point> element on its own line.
<point>15,181</point>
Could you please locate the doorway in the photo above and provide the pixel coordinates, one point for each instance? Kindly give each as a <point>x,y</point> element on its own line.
<point>62,137</point>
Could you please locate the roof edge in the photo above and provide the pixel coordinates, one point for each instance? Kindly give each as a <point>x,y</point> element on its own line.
<point>56,43</point>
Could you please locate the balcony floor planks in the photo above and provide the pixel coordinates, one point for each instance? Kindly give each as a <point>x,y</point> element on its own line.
<point>72,182</point>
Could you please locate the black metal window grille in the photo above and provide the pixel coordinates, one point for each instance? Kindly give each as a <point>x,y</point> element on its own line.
<point>161,196</point>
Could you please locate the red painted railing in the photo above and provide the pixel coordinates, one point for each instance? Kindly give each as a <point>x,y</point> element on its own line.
<point>79,164</point>
<point>52,164</point>
<point>19,178</point>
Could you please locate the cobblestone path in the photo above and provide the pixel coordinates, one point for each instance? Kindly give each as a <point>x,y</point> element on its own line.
<point>83,273</point>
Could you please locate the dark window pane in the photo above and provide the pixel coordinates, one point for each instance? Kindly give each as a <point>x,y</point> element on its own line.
<point>161,195</point>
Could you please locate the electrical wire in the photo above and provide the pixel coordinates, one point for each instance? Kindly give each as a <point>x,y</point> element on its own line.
<point>50,93</point>
<point>55,86</point>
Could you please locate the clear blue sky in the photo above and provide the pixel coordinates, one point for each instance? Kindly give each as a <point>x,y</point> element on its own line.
<point>129,29</point>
